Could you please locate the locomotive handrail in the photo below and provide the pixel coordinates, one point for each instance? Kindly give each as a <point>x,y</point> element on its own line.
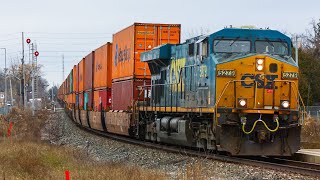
<point>142,88</point>
<point>175,83</point>
<point>222,93</point>
<point>299,97</point>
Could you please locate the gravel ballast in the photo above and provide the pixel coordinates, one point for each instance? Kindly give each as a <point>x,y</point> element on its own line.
<point>61,131</point>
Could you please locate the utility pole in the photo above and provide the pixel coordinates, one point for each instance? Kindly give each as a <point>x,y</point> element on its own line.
<point>24,101</point>
<point>5,80</point>
<point>11,93</point>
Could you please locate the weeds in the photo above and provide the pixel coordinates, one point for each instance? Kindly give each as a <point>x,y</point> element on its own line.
<point>310,133</point>
<point>24,156</point>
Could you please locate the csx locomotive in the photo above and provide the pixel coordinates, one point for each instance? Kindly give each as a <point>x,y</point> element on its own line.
<point>235,90</point>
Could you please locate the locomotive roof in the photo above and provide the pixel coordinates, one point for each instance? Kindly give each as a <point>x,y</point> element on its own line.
<point>251,34</point>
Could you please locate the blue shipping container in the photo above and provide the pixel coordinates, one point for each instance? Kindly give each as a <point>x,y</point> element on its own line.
<point>86,100</point>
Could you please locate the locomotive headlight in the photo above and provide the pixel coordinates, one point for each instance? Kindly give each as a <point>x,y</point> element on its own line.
<point>260,61</point>
<point>259,67</point>
<point>259,64</point>
<point>243,102</point>
<point>285,104</point>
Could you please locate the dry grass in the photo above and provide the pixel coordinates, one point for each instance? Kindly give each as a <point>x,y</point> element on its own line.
<point>310,133</point>
<point>31,160</point>
<point>24,156</point>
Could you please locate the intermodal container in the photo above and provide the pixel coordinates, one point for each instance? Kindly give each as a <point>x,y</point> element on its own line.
<point>88,100</point>
<point>81,76</point>
<point>77,100</point>
<point>75,78</point>
<point>73,101</point>
<point>102,99</point>
<point>126,93</point>
<point>129,43</point>
<point>85,100</point>
<point>102,66</point>
<point>81,101</point>
<point>71,81</point>
<point>64,87</point>
<point>88,73</point>
<point>68,84</point>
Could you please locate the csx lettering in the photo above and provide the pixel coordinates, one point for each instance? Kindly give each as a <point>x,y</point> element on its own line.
<point>260,82</point>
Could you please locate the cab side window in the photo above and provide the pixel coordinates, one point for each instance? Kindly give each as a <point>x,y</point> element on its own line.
<point>191,49</point>
<point>204,49</point>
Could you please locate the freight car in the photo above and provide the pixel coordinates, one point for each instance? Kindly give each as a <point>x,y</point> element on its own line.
<point>235,90</point>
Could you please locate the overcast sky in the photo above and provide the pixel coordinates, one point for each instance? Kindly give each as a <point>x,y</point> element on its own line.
<point>73,28</point>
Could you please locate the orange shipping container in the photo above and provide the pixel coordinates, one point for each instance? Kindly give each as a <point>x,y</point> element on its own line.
<point>75,78</point>
<point>88,71</point>
<point>81,75</point>
<point>102,66</point>
<point>129,43</point>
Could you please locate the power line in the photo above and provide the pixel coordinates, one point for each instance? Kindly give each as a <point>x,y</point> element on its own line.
<point>67,33</point>
<point>63,38</point>
<point>10,34</point>
<point>9,39</point>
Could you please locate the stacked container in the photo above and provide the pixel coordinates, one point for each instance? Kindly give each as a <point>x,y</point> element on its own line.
<point>127,71</point>
<point>74,85</point>
<point>102,80</point>
<point>81,83</point>
<point>88,81</point>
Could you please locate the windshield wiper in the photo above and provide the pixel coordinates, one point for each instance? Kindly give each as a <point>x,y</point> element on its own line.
<point>268,41</point>
<point>283,43</point>
<point>235,40</point>
<point>218,41</point>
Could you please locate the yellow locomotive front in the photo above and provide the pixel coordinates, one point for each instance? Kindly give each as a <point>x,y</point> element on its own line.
<point>257,97</point>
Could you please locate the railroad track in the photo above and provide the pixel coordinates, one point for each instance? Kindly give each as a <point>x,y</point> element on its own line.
<point>279,164</point>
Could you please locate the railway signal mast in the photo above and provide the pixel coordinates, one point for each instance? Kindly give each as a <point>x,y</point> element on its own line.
<point>34,72</point>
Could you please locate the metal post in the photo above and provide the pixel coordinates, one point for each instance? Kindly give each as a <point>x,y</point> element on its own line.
<point>23,75</point>
<point>5,79</point>
<point>33,108</point>
<point>11,93</point>
<point>33,72</point>
<point>29,53</point>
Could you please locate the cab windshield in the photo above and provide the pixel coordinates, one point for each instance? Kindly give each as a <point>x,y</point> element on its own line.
<point>271,47</point>
<point>231,46</point>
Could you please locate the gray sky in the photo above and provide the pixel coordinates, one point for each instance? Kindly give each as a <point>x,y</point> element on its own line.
<point>75,27</point>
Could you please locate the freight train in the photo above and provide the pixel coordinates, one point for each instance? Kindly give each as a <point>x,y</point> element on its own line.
<point>234,91</point>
